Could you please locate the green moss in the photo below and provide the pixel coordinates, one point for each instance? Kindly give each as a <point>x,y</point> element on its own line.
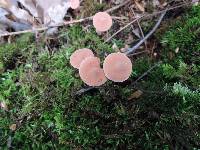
<point>185,36</point>
<point>47,92</point>
<point>79,38</point>
<point>40,93</point>
<point>12,52</point>
<point>91,7</point>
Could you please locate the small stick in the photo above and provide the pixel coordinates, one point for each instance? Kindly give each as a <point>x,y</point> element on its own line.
<point>122,29</point>
<point>136,19</point>
<point>44,28</point>
<point>61,24</point>
<point>146,16</point>
<point>146,73</point>
<point>140,28</point>
<point>117,7</point>
<point>83,90</point>
<point>133,49</point>
<point>138,53</point>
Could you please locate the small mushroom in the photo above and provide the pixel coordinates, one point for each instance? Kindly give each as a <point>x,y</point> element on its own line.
<point>102,21</point>
<point>91,73</point>
<point>79,55</point>
<point>74,4</point>
<point>117,67</point>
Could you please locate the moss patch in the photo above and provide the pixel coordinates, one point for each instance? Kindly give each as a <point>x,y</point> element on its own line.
<point>39,87</point>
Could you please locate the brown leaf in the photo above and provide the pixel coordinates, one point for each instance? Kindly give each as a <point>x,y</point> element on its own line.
<point>139,6</point>
<point>136,95</point>
<point>13,127</point>
<point>33,13</point>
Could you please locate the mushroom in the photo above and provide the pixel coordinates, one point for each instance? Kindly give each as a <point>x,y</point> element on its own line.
<point>74,4</point>
<point>117,67</point>
<point>79,55</point>
<point>91,73</point>
<point>102,21</point>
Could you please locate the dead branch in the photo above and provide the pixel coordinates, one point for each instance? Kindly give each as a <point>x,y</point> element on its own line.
<point>118,6</point>
<point>44,28</point>
<point>146,73</point>
<point>134,48</point>
<point>147,16</point>
<point>83,90</point>
<point>123,28</point>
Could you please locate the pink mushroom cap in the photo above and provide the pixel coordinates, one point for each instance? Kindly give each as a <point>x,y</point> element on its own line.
<point>117,67</point>
<point>74,4</point>
<point>91,73</point>
<point>102,21</point>
<point>79,55</point>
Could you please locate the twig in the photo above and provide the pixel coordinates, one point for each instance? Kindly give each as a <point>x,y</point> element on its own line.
<point>119,18</point>
<point>83,90</point>
<point>138,53</point>
<point>122,29</point>
<point>61,24</point>
<point>44,28</point>
<point>147,16</point>
<point>140,28</point>
<point>118,6</point>
<point>133,49</point>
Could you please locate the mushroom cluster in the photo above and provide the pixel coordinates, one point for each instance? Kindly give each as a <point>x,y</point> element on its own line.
<point>89,67</point>
<point>117,67</point>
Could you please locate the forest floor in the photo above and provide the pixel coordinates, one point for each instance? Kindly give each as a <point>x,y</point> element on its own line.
<point>45,105</point>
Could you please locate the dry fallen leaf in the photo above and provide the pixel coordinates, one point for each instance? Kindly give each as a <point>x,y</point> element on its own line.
<point>135,95</point>
<point>35,13</point>
<point>139,6</point>
<point>13,127</point>
<point>136,31</point>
